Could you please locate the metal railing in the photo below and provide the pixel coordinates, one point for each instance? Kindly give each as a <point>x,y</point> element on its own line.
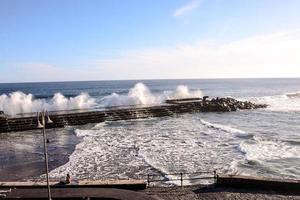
<point>182,176</point>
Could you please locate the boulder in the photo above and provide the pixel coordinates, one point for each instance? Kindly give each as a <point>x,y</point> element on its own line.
<point>230,104</point>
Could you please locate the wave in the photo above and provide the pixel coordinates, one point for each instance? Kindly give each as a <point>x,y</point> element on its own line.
<point>224,128</point>
<point>261,149</point>
<point>293,94</point>
<point>162,170</point>
<point>284,103</point>
<point>114,150</point>
<point>140,94</point>
<point>19,102</point>
<point>182,91</point>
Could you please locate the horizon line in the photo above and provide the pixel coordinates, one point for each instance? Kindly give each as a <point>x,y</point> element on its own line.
<point>221,78</point>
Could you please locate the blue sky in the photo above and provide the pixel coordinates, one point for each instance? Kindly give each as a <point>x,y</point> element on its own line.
<point>63,40</point>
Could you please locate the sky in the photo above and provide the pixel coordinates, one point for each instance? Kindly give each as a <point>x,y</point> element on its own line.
<point>74,40</point>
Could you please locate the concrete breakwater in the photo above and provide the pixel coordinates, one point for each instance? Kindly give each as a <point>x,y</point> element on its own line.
<point>80,117</point>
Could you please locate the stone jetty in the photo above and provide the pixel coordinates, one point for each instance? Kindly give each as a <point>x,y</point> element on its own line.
<point>171,107</point>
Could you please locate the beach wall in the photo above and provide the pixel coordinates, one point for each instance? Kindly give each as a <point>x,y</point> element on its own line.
<point>245,182</point>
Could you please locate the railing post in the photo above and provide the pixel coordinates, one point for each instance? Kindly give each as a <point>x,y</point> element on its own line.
<point>215,176</point>
<point>181,179</point>
<point>148,180</point>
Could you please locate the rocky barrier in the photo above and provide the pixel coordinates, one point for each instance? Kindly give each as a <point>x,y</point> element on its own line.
<point>171,107</point>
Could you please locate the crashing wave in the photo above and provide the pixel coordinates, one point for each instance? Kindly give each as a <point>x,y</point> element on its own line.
<point>282,103</point>
<point>183,91</point>
<point>19,102</point>
<point>140,94</point>
<point>260,149</point>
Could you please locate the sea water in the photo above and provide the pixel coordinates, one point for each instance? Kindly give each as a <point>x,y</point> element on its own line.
<point>263,142</point>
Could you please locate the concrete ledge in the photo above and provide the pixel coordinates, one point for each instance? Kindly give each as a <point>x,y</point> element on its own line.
<point>76,193</point>
<point>119,184</point>
<point>258,183</point>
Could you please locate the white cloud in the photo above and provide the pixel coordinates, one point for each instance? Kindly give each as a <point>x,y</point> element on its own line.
<point>271,55</point>
<point>186,8</point>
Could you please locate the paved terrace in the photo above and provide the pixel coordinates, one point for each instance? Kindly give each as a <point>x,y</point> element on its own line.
<point>226,187</point>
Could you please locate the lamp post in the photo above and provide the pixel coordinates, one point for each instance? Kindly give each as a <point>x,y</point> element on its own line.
<point>42,125</point>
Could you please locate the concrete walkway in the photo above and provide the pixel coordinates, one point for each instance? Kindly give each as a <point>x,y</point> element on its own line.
<point>77,193</point>
<point>196,192</point>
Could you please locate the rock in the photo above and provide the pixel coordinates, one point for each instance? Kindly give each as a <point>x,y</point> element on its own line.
<point>2,115</point>
<point>205,98</point>
<point>229,104</point>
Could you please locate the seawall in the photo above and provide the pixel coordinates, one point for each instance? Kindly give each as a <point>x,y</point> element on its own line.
<point>245,182</point>
<point>172,107</point>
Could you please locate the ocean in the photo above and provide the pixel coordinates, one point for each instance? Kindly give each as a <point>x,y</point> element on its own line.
<point>263,142</point>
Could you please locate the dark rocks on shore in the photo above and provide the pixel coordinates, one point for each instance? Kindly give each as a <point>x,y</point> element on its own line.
<point>217,104</point>
<point>2,115</point>
<point>229,104</point>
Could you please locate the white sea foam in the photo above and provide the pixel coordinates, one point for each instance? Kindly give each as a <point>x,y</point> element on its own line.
<point>225,128</point>
<point>260,149</point>
<point>136,148</point>
<point>19,102</point>
<point>182,91</point>
<point>283,103</point>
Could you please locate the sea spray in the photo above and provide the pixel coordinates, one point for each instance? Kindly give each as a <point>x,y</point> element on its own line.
<point>280,103</point>
<point>182,91</point>
<point>19,102</point>
<point>140,94</point>
<point>82,101</point>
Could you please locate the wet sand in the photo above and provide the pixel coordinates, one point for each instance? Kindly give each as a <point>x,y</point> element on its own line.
<point>22,155</point>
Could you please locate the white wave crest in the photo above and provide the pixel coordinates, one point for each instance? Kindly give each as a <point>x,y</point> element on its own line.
<point>225,128</point>
<point>19,102</point>
<point>293,94</point>
<point>282,103</point>
<point>182,91</point>
<point>140,94</point>
<point>260,149</point>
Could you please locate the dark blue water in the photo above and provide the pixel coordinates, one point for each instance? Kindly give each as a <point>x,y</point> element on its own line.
<point>263,142</point>
<point>213,87</point>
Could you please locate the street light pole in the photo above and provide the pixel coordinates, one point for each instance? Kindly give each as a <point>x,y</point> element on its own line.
<point>43,125</point>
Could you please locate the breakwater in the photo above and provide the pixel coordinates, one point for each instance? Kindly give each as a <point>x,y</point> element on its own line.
<point>80,117</point>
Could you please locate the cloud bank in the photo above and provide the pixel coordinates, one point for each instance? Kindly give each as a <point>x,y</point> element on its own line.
<point>269,55</point>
